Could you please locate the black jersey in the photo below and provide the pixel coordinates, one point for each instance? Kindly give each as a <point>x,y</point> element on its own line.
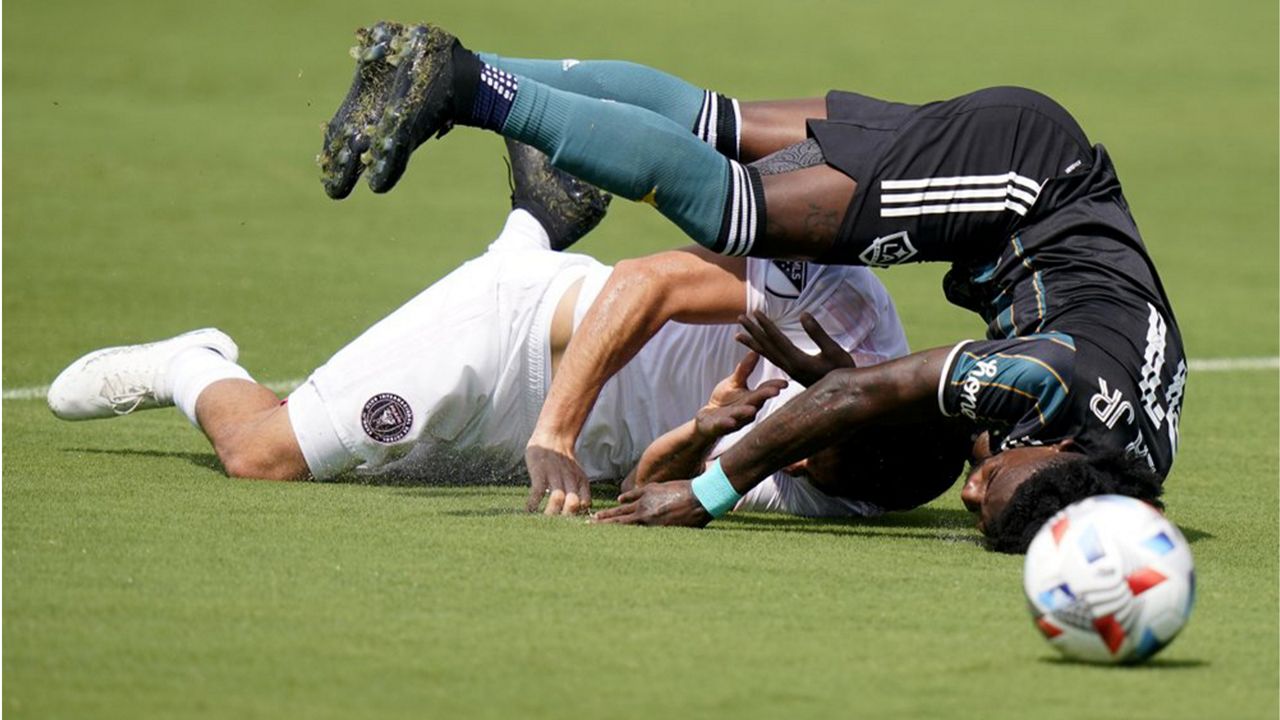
<point>1003,184</point>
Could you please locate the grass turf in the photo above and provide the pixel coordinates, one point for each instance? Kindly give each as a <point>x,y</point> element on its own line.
<point>158,177</point>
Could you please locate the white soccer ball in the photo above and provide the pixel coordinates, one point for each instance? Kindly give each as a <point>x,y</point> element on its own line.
<point>1109,580</point>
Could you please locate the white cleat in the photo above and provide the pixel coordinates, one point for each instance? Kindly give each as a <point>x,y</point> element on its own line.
<point>119,380</point>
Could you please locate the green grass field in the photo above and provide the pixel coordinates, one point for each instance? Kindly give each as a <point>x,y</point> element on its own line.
<point>158,176</point>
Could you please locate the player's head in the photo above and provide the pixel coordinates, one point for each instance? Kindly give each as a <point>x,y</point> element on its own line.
<point>1017,490</point>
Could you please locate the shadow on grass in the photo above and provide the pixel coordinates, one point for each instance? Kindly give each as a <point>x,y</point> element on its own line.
<point>446,480</point>
<point>932,524</point>
<point>205,460</point>
<point>1154,664</point>
<point>1193,535</point>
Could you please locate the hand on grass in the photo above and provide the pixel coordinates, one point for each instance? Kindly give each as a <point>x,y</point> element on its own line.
<point>556,475</point>
<point>669,503</point>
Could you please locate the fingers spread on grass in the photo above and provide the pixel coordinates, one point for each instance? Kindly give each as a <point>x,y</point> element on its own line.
<point>537,491</point>
<point>579,501</point>
<point>555,501</point>
<point>620,514</point>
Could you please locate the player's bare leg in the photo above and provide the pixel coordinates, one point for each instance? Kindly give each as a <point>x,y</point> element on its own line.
<point>250,431</point>
<point>805,202</point>
<point>771,125</point>
<point>197,373</point>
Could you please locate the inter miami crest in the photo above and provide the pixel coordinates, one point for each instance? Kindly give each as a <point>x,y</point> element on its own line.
<point>386,418</point>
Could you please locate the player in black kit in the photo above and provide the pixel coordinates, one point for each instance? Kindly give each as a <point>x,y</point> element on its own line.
<point>1079,383</point>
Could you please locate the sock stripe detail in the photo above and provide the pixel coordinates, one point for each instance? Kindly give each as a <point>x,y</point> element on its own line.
<point>706,125</point>
<point>743,211</point>
<point>737,138</point>
<point>718,122</point>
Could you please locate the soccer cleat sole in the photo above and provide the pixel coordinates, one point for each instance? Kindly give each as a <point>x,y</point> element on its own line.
<point>346,137</point>
<point>566,207</point>
<point>419,106</point>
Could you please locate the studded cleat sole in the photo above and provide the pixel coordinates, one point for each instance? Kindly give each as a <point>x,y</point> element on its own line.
<point>566,207</point>
<point>346,137</point>
<point>420,104</point>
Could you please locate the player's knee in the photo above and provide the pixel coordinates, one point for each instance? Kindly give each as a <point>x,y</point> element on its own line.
<point>261,461</point>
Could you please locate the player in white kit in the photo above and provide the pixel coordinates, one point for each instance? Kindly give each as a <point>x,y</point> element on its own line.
<point>461,371</point>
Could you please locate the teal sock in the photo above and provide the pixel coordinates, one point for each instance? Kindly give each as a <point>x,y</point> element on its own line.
<point>640,155</point>
<point>616,80</point>
<point>711,116</point>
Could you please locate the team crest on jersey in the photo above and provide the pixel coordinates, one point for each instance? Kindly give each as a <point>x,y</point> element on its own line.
<point>786,278</point>
<point>386,418</point>
<point>889,250</point>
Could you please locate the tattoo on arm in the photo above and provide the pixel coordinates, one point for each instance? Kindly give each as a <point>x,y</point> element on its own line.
<point>822,222</point>
<point>794,157</point>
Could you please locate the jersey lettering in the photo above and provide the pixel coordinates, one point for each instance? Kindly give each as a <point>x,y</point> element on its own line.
<point>1108,407</point>
<point>1150,384</point>
<point>1173,401</point>
<point>972,384</point>
<point>1138,448</point>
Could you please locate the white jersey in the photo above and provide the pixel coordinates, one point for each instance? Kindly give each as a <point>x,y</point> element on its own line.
<point>452,382</point>
<point>674,374</point>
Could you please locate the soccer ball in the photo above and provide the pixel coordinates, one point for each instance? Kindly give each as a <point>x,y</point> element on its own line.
<point>1109,580</point>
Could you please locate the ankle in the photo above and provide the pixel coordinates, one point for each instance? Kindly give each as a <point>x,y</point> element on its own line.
<point>483,94</point>
<point>466,78</point>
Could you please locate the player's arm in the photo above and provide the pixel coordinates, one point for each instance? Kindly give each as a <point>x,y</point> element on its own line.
<point>895,392</point>
<point>691,285</point>
<point>682,452</point>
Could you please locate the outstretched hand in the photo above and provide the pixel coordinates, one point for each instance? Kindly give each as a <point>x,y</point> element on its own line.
<point>734,404</point>
<point>764,337</point>
<point>556,476</point>
<point>669,503</point>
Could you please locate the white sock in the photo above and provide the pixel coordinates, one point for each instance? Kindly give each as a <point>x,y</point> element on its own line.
<point>194,370</point>
<point>522,232</point>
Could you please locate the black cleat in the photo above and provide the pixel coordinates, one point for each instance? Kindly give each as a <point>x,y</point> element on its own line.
<point>420,104</point>
<point>346,138</point>
<point>567,207</point>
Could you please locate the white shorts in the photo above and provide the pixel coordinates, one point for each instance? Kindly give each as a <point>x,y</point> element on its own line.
<point>463,364</point>
<point>792,495</point>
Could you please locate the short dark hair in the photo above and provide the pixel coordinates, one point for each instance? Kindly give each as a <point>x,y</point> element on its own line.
<point>1059,484</point>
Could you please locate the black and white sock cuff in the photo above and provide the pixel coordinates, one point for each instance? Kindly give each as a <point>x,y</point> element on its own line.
<point>743,219</point>
<point>718,122</point>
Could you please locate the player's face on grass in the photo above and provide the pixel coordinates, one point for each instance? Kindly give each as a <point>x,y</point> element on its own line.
<point>993,481</point>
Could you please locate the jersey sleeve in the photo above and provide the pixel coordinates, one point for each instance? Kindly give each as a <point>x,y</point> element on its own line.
<point>850,303</point>
<point>1018,386</point>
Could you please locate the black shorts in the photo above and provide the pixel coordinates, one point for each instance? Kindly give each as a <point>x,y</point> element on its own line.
<point>948,180</point>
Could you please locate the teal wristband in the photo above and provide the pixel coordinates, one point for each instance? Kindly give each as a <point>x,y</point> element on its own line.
<point>714,491</point>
